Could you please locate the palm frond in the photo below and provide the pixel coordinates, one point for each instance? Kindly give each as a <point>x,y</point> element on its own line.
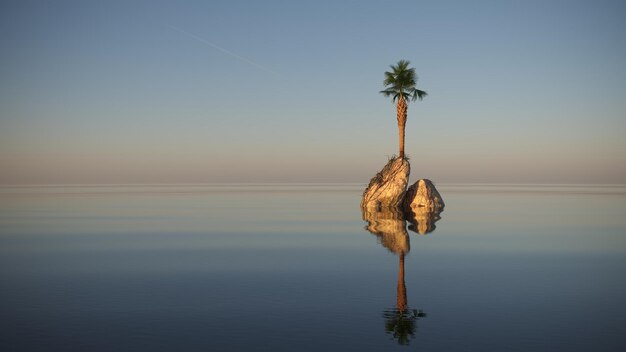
<point>418,94</point>
<point>388,92</point>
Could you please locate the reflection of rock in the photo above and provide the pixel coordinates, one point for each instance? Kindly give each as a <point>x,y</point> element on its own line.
<point>386,189</point>
<point>422,220</point>
<point>390,228</point>
<point>423,194</point>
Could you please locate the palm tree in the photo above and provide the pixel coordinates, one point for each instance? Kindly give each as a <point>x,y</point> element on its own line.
<point>400,84</point>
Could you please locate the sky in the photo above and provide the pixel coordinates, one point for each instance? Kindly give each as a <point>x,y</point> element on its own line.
<point>130,92</point>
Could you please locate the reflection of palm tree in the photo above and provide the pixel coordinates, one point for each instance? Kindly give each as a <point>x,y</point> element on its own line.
<point>401,302</point>
<point>401,321</point>
<point>390,227</point>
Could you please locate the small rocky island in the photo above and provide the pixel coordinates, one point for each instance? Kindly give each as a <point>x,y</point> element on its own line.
<point>387,192</point>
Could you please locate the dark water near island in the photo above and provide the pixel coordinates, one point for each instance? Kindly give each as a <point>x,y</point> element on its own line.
<point>292,268</point>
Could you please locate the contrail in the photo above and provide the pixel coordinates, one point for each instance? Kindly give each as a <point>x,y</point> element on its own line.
<point>222,49</point>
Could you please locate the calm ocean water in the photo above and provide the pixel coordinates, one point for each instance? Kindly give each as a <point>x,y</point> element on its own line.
<point>294,268</point>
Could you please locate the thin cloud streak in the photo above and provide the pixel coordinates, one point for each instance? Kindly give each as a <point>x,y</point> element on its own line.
<point>222,49</point>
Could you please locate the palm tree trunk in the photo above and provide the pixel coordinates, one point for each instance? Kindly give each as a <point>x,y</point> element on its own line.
<point>401,108</point>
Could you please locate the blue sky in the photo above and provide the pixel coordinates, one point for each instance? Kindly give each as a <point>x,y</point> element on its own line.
<point>287,91</point>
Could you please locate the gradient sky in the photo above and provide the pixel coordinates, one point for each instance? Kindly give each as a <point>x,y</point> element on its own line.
<point>287,91</point>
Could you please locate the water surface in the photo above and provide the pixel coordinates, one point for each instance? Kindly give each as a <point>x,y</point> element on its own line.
<point>294,267</point>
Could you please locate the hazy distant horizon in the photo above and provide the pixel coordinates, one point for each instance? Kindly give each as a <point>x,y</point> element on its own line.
<point>168,92</point>
<point>290,184</point>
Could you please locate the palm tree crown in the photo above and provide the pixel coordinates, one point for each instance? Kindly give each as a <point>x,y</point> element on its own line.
<point>401,81</point>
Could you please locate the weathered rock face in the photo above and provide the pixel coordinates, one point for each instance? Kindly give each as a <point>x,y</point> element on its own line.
<point>423,194</point>
<point>390,228</point>
<point>386,189</point>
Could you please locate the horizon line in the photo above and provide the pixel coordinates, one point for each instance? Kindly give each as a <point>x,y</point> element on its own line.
<point>7,185</point>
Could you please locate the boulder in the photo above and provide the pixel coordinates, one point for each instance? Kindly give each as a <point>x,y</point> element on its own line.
<point>386,189</point>
<point>423,194</point>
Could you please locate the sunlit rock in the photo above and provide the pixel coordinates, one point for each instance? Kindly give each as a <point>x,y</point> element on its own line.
<point>386,189</point>
<point>423,194</point>
<point>390,228</point>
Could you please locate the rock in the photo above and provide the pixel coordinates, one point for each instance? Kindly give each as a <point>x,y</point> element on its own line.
<point>390,228</point>
<point>386,189</point>
<point>423,194</point>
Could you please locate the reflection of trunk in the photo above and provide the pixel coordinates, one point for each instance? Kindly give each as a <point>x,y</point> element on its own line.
<point>401,112</point>
<point>401,302</point>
